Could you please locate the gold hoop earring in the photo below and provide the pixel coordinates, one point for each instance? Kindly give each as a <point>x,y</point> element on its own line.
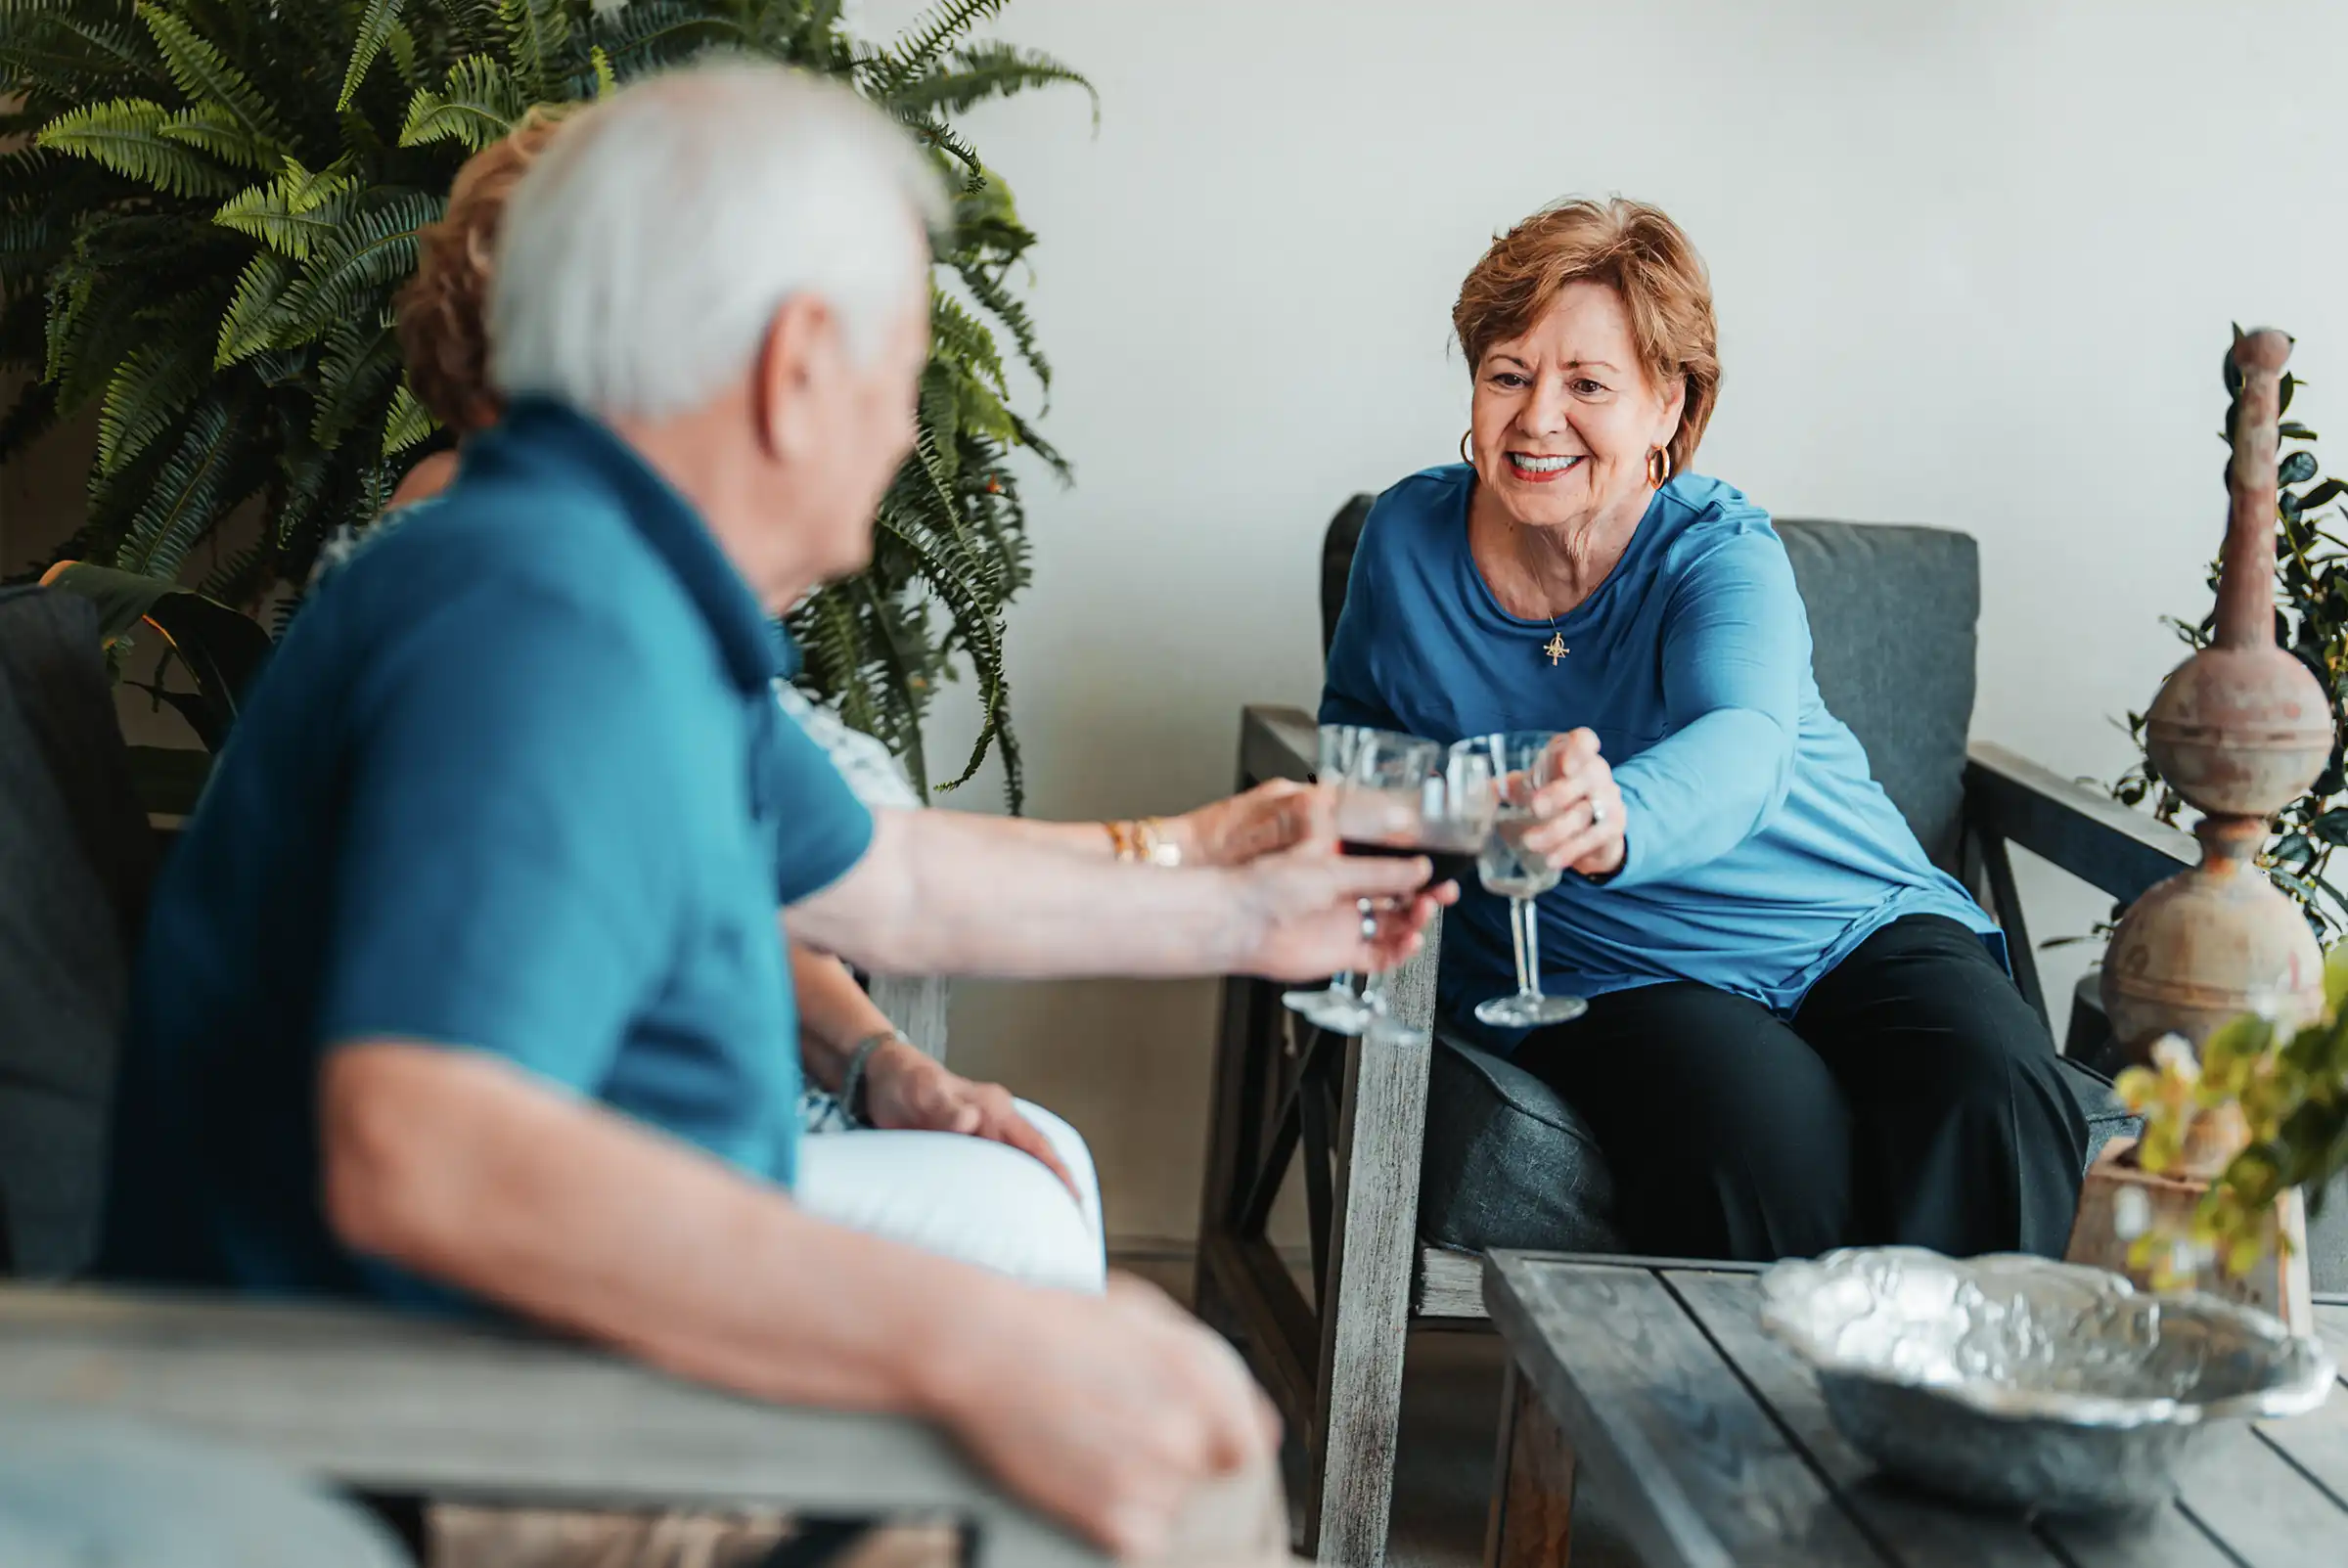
<point>1659,467</point>
<point>1464,456</point>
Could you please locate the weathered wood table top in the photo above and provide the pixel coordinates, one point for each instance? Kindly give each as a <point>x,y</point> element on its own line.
<point>1714,1448</point>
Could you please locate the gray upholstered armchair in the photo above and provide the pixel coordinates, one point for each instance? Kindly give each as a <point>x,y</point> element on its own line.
<point>1416,1159</point>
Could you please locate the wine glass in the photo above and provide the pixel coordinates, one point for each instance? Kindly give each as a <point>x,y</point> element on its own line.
<point>1407,796</point>
<point>1335,1006</point>
<point>1525,762</point>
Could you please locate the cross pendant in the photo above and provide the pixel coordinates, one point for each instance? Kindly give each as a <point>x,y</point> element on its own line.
<point>1555,647</point>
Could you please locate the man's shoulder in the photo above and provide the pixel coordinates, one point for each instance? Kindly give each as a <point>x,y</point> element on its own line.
<point>506,564</point>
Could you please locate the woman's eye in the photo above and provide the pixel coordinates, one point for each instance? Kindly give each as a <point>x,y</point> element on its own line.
<point>1507,379</point>
<point>1586,387</point>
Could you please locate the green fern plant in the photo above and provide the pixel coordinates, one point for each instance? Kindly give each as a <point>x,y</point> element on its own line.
<point>207,205</point>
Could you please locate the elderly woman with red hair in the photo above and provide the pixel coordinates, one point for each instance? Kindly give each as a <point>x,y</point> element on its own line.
<point>1801,1034</point>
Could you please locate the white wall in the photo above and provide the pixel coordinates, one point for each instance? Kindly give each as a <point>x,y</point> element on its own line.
<point>1975,266</point>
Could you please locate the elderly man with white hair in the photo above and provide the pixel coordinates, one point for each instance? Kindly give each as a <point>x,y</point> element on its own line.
<point>464,989</point>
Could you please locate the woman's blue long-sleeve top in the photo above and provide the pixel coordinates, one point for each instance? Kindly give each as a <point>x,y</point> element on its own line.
<point>1761,850</point>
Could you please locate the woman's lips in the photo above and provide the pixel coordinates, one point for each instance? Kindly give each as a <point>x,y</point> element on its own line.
<point>1549,467</point>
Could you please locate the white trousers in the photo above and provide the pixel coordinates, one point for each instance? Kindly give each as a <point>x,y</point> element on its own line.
<point>966,1198</point>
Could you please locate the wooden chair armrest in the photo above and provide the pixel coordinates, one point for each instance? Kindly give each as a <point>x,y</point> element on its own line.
<point>416,1406</point>
<point>1278,743</point>
<point>916,1005</point>
<point>2082,830</point>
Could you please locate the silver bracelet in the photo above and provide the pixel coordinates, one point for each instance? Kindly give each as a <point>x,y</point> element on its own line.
<point>851,1082</point>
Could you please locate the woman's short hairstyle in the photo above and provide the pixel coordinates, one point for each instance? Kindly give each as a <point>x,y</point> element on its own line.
<point>1631,247</point>
<point>444,310</point>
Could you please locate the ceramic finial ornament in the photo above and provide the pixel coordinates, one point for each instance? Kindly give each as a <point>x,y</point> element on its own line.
<point>2241,731</point>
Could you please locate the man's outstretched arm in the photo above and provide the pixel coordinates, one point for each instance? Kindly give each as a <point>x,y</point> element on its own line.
<point>941,892</point>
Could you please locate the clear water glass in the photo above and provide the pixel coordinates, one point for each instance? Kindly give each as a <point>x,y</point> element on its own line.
<point>1524,761</point>
<point>1335,1006</point>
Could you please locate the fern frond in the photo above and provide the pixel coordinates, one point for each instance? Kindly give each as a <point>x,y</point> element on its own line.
<point>955,332</point>
<point>357,371</point>
<point>251,321</point>
<point>203,72</point>
<point>294,213</point>
<point>125,135</point>
<point>976,73</point>
<point>150,390</point>
<point>184,498</point>
<point>211,127</point>
<point>986,288</point>
<point>479,102</point>
<point>352,273</point>
<point>923,43</point>
<point>649,35</point>
<point>538,38</point>
<point>607,83</point>
<point>401,44</point>
<point>407,424</point>
<point>935,134</point>
<point>30,243</point>
<point>377,20</point>
<point>65,53</point>
<point>94,321</point>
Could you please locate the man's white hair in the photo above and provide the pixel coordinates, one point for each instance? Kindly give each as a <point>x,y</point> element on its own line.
<point>643,257</point>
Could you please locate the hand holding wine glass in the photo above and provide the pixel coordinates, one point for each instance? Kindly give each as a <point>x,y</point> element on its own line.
<point>1335,1006</point>
<point>1407,796</point>
<point>1579,809</point>
<point>1526,763</point>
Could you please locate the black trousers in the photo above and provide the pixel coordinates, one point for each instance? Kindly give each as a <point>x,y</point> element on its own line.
<point>1913,1098</point>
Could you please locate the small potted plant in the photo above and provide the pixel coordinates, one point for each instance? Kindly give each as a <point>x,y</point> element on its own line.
<point>2285,1091</point>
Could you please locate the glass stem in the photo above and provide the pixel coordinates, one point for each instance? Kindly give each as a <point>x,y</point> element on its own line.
<point>1524,927</point>
<point>1373,984</point>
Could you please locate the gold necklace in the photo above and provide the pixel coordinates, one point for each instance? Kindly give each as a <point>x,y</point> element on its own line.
<point>1556,647</point>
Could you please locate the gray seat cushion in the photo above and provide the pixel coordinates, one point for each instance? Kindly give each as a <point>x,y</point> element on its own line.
<point>1508,1164</point>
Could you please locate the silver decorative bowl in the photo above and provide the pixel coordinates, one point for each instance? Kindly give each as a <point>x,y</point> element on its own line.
<point>2023,1383</point>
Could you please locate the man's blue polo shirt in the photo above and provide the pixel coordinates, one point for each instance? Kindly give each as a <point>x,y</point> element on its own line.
<point>514,784</point>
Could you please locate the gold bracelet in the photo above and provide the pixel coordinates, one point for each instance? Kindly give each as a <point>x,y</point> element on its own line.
<point>1142,843</point>
<point>1155,846</point>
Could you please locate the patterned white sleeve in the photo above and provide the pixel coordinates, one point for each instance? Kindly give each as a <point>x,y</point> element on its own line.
<point>864,763</point>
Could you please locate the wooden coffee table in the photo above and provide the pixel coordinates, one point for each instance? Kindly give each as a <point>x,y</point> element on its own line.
<point>1652,1383</point>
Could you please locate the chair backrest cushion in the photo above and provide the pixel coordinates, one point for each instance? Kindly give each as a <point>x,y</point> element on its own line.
<point>1893,612</point>
<point>75,855</point>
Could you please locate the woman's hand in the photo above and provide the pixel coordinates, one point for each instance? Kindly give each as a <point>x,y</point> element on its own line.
<point>1580,810</point>
<point>907,1092</point>
<point>1269,818</point>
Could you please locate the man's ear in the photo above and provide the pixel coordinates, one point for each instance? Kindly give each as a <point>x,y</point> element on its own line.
<point>796,357</point>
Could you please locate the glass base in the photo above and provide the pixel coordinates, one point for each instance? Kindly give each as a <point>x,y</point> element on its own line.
<point>1334,1008</point>
<point>1522,1012</point>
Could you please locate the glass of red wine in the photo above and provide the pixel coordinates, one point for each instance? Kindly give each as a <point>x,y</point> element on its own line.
<point>1335,1006</point>
<point>1526,762</point>
<point>1407,796</point>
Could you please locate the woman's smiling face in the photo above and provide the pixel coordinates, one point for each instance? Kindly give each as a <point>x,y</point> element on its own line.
<point>1564,418</point>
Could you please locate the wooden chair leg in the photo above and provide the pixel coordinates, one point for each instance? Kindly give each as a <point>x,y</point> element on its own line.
<point>1365,1315</point>
<point>1532,1485</point>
